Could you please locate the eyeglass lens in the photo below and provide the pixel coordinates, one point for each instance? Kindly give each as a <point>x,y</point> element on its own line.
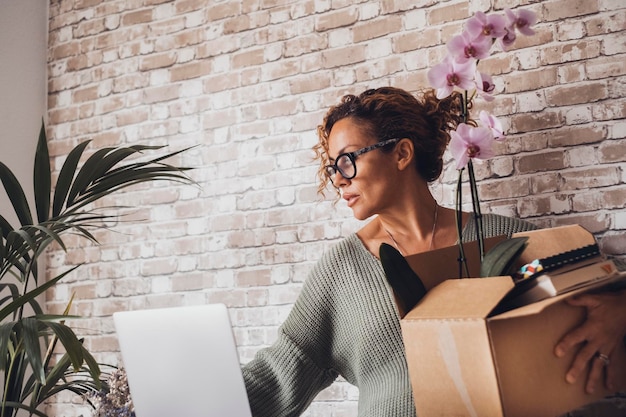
<point>344,164</point>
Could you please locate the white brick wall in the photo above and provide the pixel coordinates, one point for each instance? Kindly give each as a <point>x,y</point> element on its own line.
<point>248,82</point>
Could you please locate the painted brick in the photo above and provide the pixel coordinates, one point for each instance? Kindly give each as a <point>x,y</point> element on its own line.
<point>561,9</point>
<point>576,136</point>
<point>613,151</point>
<point>613,244</point>
<point>570,73</point>
<point>336,19</point>
<point>448,12</point>
<point>578,115</point>
<point>343,56</point>
<point>604,67</point>
<point>514,187</point>
<point>376,28</point>
<point>571,52</point>
<point>190,70</point>
<point>615,109</point>
<point>305,44</point>
<point>531,122</point>
<point>592,177</point>
<point>554,204</point>
<point>599,25</point>
<point>595,223</point>
<point>162,60</point>
<point>576,94</point>
<point>416,40</point>
<point>531,80</point>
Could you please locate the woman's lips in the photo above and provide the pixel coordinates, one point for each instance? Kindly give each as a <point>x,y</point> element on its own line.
<point>350,199</point>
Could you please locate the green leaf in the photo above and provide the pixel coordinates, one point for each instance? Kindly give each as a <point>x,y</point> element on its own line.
<point>13,290</point>
<point>6,330</point>
<point>501,258</point>
<point>93,367</point>
<point>5,226</point>
<point>66,176</point>
<point>32,347</point>
<point>112,159</point>
<point>41,177</point>
<point>407,286</point>
<point>85,175</point>
<point>73,346</point>
<point>16,194</point>
<point>18,405</point>
<point>54,375</point>
<point>31,295</point>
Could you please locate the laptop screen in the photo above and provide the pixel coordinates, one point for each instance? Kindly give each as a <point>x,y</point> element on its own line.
<point>182,361</point>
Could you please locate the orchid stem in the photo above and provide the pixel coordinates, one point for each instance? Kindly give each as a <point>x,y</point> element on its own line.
<point>478,218</point>
<point>459,226</point>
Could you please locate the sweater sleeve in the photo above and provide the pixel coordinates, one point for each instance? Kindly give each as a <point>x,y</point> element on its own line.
<point>284,378</point>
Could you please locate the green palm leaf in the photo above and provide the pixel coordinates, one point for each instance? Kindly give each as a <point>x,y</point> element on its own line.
<point>5,226</point>
<point>6,331</point>
<point>17,405</point>
<point>86,174</point>
<point>16,194</point>
<point>32,347</point>
<point>67,337</point>
<point>41,177</point>
<point>29,377</point>
<point>31,295</point>
<point>66,176</point>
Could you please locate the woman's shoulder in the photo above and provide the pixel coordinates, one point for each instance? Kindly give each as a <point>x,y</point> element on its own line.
<point>346,251</point>
<point>343,262</point>
<point>497,225</point>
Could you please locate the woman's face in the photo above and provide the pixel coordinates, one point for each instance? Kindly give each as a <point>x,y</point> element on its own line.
<point>371,190</point>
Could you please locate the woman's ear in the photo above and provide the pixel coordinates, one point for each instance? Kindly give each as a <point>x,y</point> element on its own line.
<point>405,152</point>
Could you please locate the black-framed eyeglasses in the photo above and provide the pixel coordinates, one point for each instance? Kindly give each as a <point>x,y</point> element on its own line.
<point>345,163</point>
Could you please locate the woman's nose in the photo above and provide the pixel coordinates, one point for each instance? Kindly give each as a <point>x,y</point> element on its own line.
<point>338,179</point>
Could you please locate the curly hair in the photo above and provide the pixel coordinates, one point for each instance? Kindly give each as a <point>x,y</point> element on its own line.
<point>388,112</point>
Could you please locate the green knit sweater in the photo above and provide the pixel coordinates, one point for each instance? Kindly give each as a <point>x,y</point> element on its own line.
<point>343,323</point>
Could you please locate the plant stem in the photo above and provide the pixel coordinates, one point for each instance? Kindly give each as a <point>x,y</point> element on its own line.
<point>478,218</point>
<point>459,226</point>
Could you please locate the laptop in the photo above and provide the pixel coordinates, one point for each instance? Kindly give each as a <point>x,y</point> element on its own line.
<point>182,361</point>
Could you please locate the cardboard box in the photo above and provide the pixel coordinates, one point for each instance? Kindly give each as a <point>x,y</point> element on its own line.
<point>464,361</point>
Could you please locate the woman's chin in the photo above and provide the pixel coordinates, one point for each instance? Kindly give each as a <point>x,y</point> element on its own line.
<point>360,214</point>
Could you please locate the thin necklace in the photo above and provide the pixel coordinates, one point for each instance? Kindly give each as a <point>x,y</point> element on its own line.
<point>432,234</point>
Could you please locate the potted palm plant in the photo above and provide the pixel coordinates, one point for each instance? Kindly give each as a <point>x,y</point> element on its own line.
<point>31,369</point>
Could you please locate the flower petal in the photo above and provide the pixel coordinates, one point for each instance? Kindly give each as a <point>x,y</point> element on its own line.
<point>458,150</point>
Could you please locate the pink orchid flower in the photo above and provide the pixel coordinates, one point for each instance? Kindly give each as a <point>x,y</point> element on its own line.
<point>522,20</point>
<point>449,74</point>
<point>492,123</point>
<point>469,142</point>
<point>481,25</point>
<point>463,47</point>
<point>485,86</point>
<point>508,39</point>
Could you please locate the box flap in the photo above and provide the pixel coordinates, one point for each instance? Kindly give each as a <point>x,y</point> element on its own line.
<point>548,242</point>
<point>539,306</point>
<point>462,298</point>
<point>436,266</point>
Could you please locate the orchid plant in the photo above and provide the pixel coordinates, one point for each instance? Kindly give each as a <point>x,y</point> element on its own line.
<point>474,139</point>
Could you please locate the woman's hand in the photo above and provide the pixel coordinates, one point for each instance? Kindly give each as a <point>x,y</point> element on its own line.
<point>600,335</point>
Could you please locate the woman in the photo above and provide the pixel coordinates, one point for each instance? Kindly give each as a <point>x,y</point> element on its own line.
<point>380,150</point>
